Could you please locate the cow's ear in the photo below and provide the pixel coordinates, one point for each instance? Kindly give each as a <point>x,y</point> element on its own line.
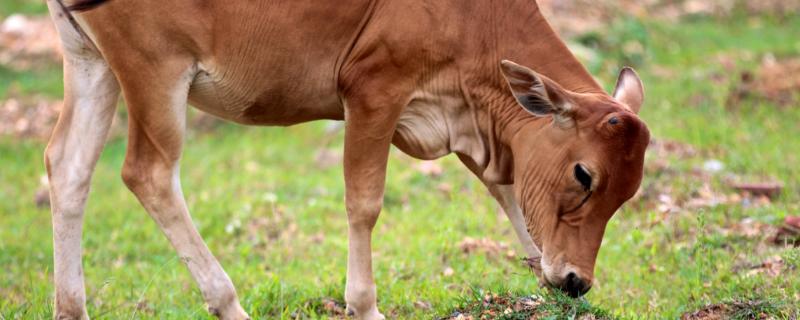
<point>535,93</point>
<point>629,90</point>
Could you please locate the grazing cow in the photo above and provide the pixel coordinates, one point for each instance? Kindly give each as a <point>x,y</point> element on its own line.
<point>558,153</point>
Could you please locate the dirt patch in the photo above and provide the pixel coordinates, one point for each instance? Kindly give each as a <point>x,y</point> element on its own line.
<point>29,118</point>
<point>706,185</point>
<point>487,246</point>
<point>775,80</point>
<point>29,42</point>
<point>333,308</point>
<point>789,232</point>
<point>32,43</point>
<point>682,180</point>
<point>35,117</point>
<point>530,307</point>
<point>329,307</point>
<point>711,312</point>
<point>429,168</point>
<point>670,148</point>
<point>328,158</point>
<point>736,309</point>
<point>772,266</point>
<point>575,17</point>
<point>494,306</point>
<point>770,190</point>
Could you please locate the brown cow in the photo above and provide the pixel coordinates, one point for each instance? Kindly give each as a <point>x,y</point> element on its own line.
<point>425,76</point>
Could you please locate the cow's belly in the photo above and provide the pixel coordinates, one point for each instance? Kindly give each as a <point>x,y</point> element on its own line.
<point>263,102</point>
<point>274,62</point>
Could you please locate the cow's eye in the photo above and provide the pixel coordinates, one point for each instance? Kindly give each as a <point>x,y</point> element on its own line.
<point>583,176</point>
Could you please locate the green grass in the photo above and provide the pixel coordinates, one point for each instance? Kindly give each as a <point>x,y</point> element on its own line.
<point>10,7</point>
<point>47,83</point>
<point>276,220</point>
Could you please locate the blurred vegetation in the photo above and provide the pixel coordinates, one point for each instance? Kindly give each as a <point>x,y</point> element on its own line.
<point>625,42</point>
<point>22,7</point>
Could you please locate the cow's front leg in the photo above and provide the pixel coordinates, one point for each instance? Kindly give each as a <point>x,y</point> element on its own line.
<point>504,194</point>
<point>368,132</point>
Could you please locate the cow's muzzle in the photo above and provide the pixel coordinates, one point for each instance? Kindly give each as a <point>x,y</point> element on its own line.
<point>574,286</point>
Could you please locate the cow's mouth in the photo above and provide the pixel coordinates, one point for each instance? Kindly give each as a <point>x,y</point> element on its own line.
<point>535,264</point>
<point>574,286</point>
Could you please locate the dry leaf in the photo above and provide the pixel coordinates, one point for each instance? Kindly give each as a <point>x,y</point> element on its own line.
<point>333,307</point>
<point>772,266</point>
<point>789,232</point>
<point>27,42</point>
<point>328,157</point>
<point>488,246</point>
<point>424,305</point>
<point>448,272</point>
<point>771,190</point>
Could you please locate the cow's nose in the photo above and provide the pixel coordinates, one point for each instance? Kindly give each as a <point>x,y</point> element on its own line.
<point>575,286</point>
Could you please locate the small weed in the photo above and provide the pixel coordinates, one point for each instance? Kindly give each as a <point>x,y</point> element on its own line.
<point>792,257</point>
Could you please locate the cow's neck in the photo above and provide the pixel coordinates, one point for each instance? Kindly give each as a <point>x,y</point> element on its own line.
<point>524,36</point>
<point>520,34</point>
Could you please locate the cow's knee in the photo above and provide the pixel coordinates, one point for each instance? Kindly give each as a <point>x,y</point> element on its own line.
<point>69,185</point>
<point>363,213</point>
<point>145,178</point>
<point>132,178</point>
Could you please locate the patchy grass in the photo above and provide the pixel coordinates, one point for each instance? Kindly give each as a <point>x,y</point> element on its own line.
<point>738,310</point>
<point>519,306</point>
<point>275,217</point>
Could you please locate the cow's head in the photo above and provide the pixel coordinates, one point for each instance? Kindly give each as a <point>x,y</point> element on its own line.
<point>572,174</point>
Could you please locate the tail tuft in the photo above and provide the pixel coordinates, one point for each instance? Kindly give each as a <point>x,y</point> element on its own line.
<point>85,5</point>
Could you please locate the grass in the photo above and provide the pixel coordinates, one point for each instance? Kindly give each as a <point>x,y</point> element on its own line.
<point>523,306</point>
<point>276,220</point>
<point>47,83</point>
<point>22,6</point>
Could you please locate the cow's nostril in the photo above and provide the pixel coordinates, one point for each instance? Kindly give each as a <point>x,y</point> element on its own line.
<point>575,286</point>
<point>571,276</point>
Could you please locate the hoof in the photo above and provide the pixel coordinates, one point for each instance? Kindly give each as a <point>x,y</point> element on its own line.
<point>373,314</point>
<point>77,315</point>
<point>234,312</point>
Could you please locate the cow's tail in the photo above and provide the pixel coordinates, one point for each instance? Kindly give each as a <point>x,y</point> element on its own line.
<point>75,42</point>
<point>85,5</point>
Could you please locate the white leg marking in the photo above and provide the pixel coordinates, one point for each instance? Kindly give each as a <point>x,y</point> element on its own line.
<point>505,197</point>
<point>360,291</point>
<point>504,194</point>
<point>90,98</point>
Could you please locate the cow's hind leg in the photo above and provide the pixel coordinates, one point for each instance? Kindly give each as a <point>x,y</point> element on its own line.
<point>90,97</point>
<point>157,110</point>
